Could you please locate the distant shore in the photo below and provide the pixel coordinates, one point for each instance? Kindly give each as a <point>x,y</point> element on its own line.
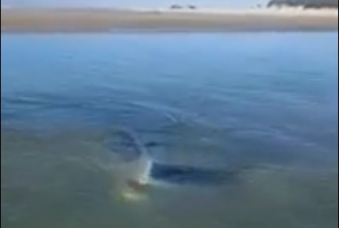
<point>157,20</point>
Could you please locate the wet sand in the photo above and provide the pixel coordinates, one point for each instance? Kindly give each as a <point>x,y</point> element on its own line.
<point>104,20</point>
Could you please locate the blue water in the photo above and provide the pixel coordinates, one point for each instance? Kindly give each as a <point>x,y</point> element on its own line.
<point>268,101</point>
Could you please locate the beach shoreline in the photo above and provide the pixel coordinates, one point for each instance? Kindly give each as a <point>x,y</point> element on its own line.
<point>165,20</point>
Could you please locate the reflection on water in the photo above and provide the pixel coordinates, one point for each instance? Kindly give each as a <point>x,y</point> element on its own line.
<point>213,143</point>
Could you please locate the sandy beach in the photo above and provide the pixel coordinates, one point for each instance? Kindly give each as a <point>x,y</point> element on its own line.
<point>103,20</point>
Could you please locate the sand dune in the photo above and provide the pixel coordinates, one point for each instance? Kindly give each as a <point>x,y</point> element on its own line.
<point>92,20</point>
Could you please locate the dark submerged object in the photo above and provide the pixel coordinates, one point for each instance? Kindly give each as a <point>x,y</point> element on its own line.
<point>130,149</point>
<point>187,175</point>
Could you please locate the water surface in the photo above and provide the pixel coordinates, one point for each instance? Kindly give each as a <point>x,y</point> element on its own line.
<point>76,110</point>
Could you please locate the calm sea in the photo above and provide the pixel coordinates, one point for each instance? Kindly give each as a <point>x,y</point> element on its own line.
<point>77,110</point>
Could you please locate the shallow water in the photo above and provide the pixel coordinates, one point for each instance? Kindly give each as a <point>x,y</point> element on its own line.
<point>78,110</point>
